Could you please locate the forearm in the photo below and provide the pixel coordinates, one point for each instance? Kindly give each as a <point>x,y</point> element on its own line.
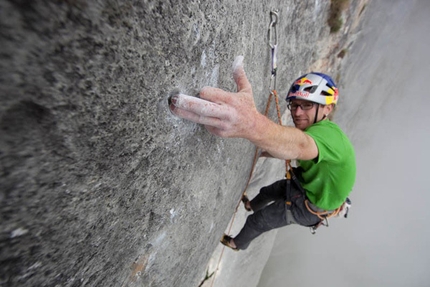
<point>282,142</point>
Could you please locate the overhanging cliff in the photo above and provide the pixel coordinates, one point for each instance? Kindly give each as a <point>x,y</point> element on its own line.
<point>100,184</point>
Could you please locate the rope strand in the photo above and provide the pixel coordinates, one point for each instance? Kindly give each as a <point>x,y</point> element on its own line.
<point>273,42</point>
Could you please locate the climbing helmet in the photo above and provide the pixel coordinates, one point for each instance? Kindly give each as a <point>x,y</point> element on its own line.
<point>315,87</point>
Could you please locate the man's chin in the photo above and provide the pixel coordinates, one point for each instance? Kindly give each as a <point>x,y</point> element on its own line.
<point>301,125</point>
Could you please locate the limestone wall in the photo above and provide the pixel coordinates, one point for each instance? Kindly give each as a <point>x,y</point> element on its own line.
<point>100,184</point>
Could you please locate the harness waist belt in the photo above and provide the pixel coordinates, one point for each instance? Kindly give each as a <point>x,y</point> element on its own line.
<point>317,209</point>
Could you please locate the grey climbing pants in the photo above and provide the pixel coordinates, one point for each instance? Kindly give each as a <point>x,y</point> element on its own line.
<point>271,211</point>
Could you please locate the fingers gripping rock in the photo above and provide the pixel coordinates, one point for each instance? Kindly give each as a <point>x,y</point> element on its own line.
<point>237,64</point>
<point>198,110</point>
<point>239,75</point>
<point>223,113</point>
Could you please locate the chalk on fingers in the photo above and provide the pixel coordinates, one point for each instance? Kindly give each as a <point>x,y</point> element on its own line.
<point>179,99</point>
<point>237,64</point>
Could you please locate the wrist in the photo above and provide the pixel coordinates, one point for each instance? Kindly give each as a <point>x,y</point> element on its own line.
<point>259,125</point>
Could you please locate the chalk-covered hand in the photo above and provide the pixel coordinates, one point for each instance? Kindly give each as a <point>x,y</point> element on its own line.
<point>223,113</point>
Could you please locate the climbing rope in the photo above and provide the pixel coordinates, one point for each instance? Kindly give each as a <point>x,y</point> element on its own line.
<point>273,43</point>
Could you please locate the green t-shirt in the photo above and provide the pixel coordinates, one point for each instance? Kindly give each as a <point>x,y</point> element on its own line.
<point>329,178</point>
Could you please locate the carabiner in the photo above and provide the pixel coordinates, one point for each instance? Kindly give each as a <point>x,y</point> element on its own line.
<point>273,37</point>
<point>273,43</point>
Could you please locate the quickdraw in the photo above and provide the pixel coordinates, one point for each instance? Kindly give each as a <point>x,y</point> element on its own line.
<point>272,37</point>
<point>273,43</point>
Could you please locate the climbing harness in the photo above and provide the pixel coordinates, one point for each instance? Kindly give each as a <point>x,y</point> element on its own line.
<point>324,215</point>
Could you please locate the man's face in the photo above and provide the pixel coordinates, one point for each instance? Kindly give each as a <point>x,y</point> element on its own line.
<point>304,112</point>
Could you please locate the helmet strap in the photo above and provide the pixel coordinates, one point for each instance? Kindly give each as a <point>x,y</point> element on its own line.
<point>316,113</point>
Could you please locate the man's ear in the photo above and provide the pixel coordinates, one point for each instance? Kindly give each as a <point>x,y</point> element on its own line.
<point>330,109</point>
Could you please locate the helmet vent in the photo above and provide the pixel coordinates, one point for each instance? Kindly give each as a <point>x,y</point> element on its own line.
<point>311,89</point>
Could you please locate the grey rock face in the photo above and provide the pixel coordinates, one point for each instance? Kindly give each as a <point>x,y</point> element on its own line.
<point>100,184</point>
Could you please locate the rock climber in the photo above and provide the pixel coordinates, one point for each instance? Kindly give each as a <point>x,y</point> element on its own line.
<point>326,159</point>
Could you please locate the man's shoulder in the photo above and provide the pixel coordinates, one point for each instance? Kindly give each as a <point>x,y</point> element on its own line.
<point>323,127</point>
<point>327,131</point>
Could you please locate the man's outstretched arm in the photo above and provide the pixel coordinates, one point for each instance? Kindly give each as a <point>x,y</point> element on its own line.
<point>234,115</point>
